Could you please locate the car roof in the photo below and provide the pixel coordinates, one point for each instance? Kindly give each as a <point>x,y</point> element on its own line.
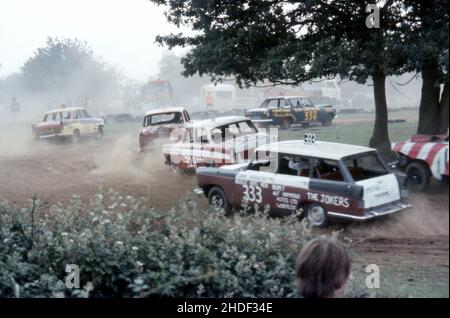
<point>320,149</point>
<point>68,109</point>
<point>288,97</point>
<point>165,110</point>
<point>216,122</point>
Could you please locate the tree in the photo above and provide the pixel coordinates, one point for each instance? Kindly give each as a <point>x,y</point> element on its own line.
<point>68,68</point>
<point>291,42</point>
<point>426,37</point>
<point>184,89</point>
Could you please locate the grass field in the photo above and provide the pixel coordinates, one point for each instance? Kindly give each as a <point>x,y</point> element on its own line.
<point>348,128</point>
<point>357,133</point>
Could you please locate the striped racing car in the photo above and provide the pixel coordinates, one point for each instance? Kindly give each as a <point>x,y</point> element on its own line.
<point>423,156</point>
<point>213,143</point>
<point>322,180</point>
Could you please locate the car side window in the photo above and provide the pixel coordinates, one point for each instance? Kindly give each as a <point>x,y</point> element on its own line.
<point>264,161</point>
<point>273,103</point>
<point>56,116</point>
<point>294,165</point>
<point>85,114</point>
<point>306,102</point>
<point>326,169</point>
<point>296,102</point>
<point>284,103</point>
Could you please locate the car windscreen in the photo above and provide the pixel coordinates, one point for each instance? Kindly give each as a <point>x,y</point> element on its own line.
<point>365,166</point>
<point>234,130</point>
<point>300,101</point>
<point>53,117</point>
<point>165,118</point>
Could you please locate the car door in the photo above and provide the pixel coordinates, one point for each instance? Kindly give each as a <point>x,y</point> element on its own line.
<point>297,109</point>
<point>254,184</point>
<point>311,112</point>
<point>289,185</point>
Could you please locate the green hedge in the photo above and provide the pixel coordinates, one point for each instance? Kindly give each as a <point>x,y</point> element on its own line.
<point>125,249</point>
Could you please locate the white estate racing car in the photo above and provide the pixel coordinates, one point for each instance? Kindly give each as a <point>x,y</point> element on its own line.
<point>322,179</point>
<point>214,142</point>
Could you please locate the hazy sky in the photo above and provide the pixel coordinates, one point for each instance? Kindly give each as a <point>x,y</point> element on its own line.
<point>122,32</point>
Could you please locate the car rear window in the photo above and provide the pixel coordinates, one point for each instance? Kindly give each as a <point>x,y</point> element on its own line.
<point>365,166</point>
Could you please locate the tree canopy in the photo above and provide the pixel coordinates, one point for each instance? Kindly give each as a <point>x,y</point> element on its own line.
<point>68,67</point>
<point>290,42</point>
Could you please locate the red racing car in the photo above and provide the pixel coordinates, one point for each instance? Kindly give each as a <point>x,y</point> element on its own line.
<point>421,157</point>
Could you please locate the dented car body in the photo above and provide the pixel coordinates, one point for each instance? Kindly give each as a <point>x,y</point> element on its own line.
<point>160,123</point>
<point>423,156</point>
<point>287,110</point>
<point>323,180</point>
<point>73,122</point>
<point>213,143</point>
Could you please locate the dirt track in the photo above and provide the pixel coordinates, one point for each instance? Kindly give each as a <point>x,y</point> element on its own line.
<point>54,172</point>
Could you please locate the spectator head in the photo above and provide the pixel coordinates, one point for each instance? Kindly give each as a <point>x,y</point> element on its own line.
<point>322,269</point>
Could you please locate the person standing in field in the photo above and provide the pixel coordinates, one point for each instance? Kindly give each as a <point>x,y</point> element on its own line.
<point>209,100</point>
<point>15,106</point>
<point>322,269</point>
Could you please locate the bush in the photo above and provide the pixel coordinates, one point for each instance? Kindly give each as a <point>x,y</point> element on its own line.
<point>125,249</point>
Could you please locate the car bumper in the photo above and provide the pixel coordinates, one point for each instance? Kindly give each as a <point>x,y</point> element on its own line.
<point>374,212</point>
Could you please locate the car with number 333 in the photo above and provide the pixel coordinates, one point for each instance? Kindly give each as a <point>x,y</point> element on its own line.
<point>321,180</point>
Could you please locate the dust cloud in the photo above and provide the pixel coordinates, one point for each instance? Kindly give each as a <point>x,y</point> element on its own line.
<point>429,216</point>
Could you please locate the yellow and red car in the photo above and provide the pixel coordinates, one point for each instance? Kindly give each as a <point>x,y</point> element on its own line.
<point>74,122</point>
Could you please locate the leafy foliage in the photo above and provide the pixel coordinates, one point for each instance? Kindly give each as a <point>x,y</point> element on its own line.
<point>124,249</point>
<point>69,67</point>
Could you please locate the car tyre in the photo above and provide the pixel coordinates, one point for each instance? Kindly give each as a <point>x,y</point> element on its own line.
<point>327,121</point>
<point>316,215</point>
<point>218,200</point>
<point>76,136</point>
<point>286,123</point>
<point>418,175</point>
<point>99,134</point>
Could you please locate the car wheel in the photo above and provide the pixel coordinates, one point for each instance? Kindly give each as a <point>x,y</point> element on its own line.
<point>174,167</point>
<point>418,175</point>
<point>76,136</point>
<point>327,121</point>
<point>286,123</point>
<point>316,215</point>
<point>99,134</point>
<point>218,201</point>
<point>36,136</point>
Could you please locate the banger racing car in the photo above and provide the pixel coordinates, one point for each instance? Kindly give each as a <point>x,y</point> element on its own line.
<point>287,110</point>
<point>322,180</point>
<point>160,123</point>
<point>214,142</point>
<point>73,122</point>
<point>423,156</point>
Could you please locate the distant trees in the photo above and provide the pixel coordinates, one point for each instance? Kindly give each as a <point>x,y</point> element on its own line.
<point>68,67</point>
<point>184,89</point>
<point>291,42</point>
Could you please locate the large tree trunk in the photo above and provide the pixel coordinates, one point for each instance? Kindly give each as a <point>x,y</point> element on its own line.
<point>429,121</point>
<point>443,110</point>
<point>380,135</point>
